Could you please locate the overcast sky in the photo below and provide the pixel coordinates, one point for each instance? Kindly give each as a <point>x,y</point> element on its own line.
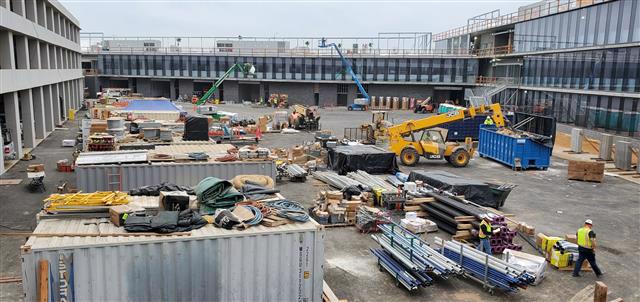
<point>279,17</point>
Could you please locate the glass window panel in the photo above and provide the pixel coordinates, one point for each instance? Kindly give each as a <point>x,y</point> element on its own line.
<point>625,21</point>
<point>613,20</point>
<point>633,72</point>
<point>601,36</point>
<point>591,25</point>
<point>582,26</point>
<point>621,64</point>
<point>636,22</point>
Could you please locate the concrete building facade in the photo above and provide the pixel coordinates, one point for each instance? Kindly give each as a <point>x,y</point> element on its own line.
<point>574,59</point>
<point>40,75</point>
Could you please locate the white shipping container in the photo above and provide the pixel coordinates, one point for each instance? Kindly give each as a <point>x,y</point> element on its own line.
<point>281,263</point>
<point>124,177</point>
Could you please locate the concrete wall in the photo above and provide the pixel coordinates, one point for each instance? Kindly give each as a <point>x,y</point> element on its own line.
<point>299,93</point>
<point>416,91</point>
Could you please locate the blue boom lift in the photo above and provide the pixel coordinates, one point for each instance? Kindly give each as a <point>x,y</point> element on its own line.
<point>360,103</point>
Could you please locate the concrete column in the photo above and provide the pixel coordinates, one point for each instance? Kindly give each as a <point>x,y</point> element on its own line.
<point>18,7</point>
<point>28,124</point>
<point>44,55</point>
<point>30,10</point>
<point>48,108</point>
<point>55,101</point>
<point>38,112</point>
<point>22,52</point>
<point>12,116</point>
<point>34,53</point>
<point>6,50</point>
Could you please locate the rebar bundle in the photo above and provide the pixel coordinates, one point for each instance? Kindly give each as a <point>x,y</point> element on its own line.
<point>371,181</point>
<point>333,179</point>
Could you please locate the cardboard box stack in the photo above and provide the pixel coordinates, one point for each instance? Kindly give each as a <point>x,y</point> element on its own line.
<point>332,208</point>
<point>417,225</point>
<point>585,170</point>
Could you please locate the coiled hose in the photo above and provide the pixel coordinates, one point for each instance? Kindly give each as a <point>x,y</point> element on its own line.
<point>257,215</point>
<point>288,209</point>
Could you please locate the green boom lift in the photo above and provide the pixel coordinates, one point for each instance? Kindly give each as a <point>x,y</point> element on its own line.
<point>246,68</point>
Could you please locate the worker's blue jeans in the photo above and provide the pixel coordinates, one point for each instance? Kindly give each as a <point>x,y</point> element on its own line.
<point>589,255</point>
<point>484,246</point>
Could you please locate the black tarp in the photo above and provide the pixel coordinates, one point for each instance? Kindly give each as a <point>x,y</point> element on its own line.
<point>371,159</point>
<point>196,128</point>
<point>473,190</point>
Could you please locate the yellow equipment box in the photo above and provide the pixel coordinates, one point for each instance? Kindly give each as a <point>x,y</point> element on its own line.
<point>549,242</point>
<point>559,259</point>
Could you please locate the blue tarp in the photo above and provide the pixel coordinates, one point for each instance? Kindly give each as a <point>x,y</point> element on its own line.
<point>151,105</point>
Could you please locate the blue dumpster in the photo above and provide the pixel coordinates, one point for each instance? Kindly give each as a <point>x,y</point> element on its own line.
<point>516,152</point>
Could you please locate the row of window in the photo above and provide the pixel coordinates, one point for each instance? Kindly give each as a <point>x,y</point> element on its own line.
<point>608,70</point>
<point>441,70</point>
<point>608,113</point>
<point>30,53</point>
<point>47,16</point>
<point>608,23</point>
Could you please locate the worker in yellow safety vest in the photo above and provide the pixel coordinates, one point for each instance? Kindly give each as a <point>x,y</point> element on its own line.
<point>586,249</point>
<point>485,233</point>
<point>488,121</point>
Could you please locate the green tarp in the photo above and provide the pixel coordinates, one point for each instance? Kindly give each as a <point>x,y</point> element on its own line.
<point>214,193</point>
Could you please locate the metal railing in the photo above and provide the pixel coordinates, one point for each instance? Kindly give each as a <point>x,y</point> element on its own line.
<point>274,52</point>
<point>495,81</point>
<point>545,9</point>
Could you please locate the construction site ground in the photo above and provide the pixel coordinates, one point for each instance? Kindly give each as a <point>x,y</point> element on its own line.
<point>544,199</point>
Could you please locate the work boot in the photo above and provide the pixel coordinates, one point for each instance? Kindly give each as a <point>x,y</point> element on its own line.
<point>576,275</point>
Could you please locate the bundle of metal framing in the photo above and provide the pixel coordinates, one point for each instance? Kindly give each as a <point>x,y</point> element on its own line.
<point>492,272</point>
<point>333,179</point>
<point>444,210</point>
<point>411,260</point>
<point>371,180</point>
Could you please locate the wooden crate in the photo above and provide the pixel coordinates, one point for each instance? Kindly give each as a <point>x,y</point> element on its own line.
<point>585,170</point>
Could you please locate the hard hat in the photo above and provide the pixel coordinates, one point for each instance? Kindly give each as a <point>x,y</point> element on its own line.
<point>588,221</point>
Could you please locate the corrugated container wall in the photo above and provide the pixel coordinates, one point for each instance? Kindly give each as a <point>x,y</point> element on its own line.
<point>91,178</point>
<point>259,264</point>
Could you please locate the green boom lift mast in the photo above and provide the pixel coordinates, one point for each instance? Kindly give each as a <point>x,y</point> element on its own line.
<point>246,68</point>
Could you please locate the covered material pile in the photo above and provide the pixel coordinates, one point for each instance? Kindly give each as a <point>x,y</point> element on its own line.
<point>371,159</point>
<point>474,190</point>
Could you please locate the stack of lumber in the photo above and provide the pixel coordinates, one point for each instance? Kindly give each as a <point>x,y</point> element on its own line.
<point>414,205</point>
<point>585,170</point>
